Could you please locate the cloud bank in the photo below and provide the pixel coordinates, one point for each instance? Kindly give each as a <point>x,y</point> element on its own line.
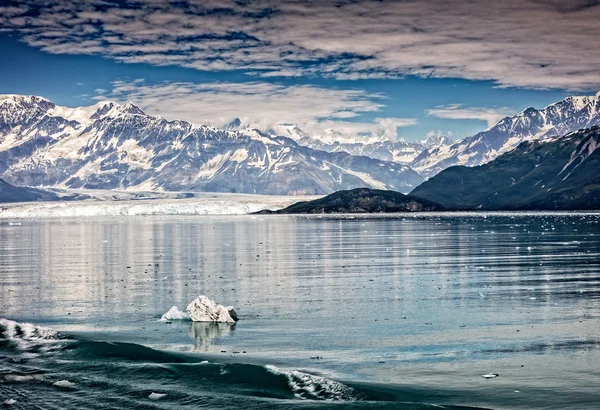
<point>532,43</point>
<point>317,111</point>
<point>459,112</point>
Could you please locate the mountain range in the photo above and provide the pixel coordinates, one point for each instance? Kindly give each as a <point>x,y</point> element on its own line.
<point>551,174</point>
<point>566,116</point>
<point>379,148</point>
<point>109,146</point>
<point>114,146</point>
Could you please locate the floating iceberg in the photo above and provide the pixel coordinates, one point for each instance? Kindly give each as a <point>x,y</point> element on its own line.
<point>156,396</point>
<point>64,384</point>
<point>203,309</point>
<point>175,314</point>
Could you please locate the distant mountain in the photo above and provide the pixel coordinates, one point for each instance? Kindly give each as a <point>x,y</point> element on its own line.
<point>109,146</point>
<point>11,193</point>
<point>361,200</point>
<point>569,115</point>
<point>385,150</point>
<point>563,173</point>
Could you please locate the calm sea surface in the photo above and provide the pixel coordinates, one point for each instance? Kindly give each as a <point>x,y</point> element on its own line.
<point>354,312</point>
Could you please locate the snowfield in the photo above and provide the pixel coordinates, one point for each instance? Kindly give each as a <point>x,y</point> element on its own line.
<point>200,204</point>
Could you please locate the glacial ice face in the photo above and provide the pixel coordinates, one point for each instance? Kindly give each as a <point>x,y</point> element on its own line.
<point>175,314</point>
<point>200,204</point>
<point>203,309</point>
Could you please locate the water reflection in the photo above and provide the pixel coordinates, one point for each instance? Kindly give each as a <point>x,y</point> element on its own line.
<point>206,335</point>
<point>393,279</point>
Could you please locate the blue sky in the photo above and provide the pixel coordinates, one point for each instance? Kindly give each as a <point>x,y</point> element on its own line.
<point>385,69</point>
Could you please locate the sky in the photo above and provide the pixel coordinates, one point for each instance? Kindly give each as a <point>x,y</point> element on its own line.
<point>349,68</point>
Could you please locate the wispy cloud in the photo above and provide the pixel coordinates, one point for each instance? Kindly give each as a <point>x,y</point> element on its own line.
<point>459,112</point>
<point>532,43</point>
<point>262,105</point>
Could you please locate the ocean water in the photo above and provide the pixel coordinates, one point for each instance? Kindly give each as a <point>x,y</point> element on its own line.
<point>403,312</point>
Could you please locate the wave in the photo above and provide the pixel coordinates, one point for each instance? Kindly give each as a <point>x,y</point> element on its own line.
<point>27,337</point>
<point>309,386</point>
<point>130,373</point>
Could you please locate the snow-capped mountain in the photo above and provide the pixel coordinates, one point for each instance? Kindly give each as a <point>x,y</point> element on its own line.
<point>109,146</point>
<point>383,149</point>
<point>558,173</point>
<point>557,119</point>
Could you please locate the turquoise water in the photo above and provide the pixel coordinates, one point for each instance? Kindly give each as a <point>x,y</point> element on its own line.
<point>403,312</point>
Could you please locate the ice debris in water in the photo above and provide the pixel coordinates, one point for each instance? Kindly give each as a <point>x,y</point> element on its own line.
<point>490,375</point>
<point>175,314</point>
<point>23,377</point>
<point>203,309</point>
<point>311,387</point>
<point>65,384</point>
<point>156,396</point>
<point>9,402</point>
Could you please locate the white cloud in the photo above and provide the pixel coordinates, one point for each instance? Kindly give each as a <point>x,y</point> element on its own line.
<point>316,110</point>
<point>458,112</point>
<point>532,43</point>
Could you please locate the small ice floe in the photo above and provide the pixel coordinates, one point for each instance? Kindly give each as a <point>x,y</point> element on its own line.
<point>203,309</point>
<point>175,314</point>
<point>23,377</point>
<point>65,384</point>
<point>156,396</point>
<point>9,402</point>
<point>490,375</point>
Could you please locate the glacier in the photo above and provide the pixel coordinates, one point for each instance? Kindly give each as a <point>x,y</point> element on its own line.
<point>200,204</point>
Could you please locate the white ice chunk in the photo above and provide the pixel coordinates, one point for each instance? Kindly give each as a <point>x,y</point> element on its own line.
<point>490,375</point>
<point>23,378</point>
<point>156,396</point>
<point>203,309</point>
<point>175,314</point>
<point>65,384</point>
<point>8,402</point>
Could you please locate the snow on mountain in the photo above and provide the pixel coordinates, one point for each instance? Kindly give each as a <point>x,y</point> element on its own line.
<point>557,119</point>
<point>108,146</point>
<point>550,174</point>
<point>373,147</point>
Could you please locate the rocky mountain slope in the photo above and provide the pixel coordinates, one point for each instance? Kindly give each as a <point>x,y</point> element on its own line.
<point>109,146</point>
<point>361,200</point>
<point>561,173</point>
<point>569,115</point>
<point>11,193</point>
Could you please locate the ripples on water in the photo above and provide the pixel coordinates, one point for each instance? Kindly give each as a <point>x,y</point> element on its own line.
<point>407,309</point>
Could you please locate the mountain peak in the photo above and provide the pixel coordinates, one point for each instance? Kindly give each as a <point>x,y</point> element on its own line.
<point>234,125</point>
<point>26,101</point>
<point>131,108</point>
